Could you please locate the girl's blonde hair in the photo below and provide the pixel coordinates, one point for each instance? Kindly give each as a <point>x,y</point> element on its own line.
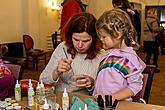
<point>114,21</point>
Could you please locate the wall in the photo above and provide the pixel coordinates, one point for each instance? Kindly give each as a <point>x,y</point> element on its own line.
<point>31,17</point>
<point>10,20</point>
<point>97,7</point>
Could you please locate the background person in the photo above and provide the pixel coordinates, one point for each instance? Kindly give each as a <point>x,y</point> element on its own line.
<point>125,6</point>
<point>70,8</point>
<point>137,22</point>
<point>83,49</point>
<point>151,29</point>
<point>120,71</point>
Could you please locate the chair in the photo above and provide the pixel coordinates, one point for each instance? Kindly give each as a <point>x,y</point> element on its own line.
<point>36,54</point>
<point>55,41</point>
<point>148,74</point>
<point>15,53</point>
<point>16,70</point>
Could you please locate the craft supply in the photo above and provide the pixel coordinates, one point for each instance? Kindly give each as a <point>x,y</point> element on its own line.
<point>65,100</point>
<point>30,94</point>
<point>15,104</point>
<point>46,105</point>
<point>38,89</point>
<point>38,97</point>
<point>12,101</point>
<point>8,104</point>
<point>85,108</point>
<point>100,102</point>
<point>4,105</point>
<point>108,100</point>
<point>17,108</point>
<point>9,108</point>
<point>17,92</point>
<point>7,99</point>
<point>42,90</point>
<point>115,103</point>
<point>26,108</point>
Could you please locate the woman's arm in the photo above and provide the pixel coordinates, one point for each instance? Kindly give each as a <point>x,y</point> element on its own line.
<point>51,68</point>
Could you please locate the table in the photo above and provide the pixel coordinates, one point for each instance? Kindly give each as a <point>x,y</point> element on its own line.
<point>121,105</point>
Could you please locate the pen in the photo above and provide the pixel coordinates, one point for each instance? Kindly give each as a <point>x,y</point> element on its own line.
<point>108,99</point>
<point>68,58</point>
<point>65,53</point>
<point>115,103</point>
<point>100,102</point>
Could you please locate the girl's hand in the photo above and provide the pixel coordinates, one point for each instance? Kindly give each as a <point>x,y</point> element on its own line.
<point>84,81</point>
<point>64,65</point>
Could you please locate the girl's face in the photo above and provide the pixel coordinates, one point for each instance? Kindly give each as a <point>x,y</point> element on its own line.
<point>81,41</point>
<point>108,40</point>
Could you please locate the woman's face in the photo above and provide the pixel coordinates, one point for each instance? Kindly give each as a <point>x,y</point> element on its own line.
<point>81,41</point>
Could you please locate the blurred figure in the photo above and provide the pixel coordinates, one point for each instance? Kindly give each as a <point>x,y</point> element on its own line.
<point>70,8</point>
<point>151,29</point>
<point>137,23</point>
<point>125,6</point>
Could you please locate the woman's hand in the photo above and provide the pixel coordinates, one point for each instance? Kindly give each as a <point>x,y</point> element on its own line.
<point>84,81</point>
<point>64,65</point>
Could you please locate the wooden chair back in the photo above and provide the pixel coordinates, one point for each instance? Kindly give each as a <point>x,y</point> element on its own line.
<point>28,42</point>
<point>148,74</point>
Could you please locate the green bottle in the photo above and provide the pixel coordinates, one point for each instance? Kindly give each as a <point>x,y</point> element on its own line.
<point>17,92</point>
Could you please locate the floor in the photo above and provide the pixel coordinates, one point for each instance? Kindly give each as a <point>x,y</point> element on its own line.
<point>157,95</point>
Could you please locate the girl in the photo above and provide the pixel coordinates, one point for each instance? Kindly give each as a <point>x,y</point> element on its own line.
<point>120,71</point>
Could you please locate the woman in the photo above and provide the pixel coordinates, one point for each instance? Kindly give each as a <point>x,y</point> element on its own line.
<point>78,56</point>
<point>151,29</point>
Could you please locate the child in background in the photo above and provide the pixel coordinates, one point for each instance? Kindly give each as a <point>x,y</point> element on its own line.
<point>120,71</point>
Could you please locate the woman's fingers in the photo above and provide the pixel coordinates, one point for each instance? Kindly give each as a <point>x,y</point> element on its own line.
<point>83,81</point>
<point>64,65</point>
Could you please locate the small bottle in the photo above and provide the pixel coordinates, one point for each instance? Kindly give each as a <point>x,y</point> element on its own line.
<point>30,94</point>
<point>38,97</point>
<point>42,90</point>
<point>38,92</point>
<point>65,100</point>
<point>17,92</point>
<point>85,108</point>
<point>46,105</point>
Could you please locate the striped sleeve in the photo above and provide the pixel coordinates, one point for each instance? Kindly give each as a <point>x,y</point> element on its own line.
<point>121,64</point>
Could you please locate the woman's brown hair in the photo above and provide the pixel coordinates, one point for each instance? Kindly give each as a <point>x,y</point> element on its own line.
<point>82,22</point>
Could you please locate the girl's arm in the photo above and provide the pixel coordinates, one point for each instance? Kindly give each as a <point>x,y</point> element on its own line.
<point>122,94</point>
